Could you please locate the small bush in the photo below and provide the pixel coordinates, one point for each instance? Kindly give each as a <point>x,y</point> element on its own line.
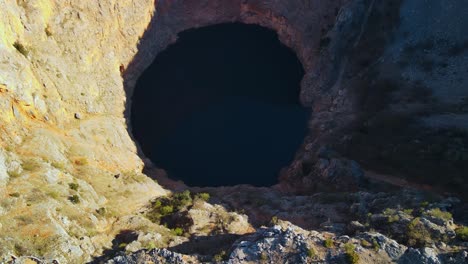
<point>263,256</point>
<point>53,194</point>
<point>425,204</point>
<point>122,245</point>
<point>21,48</point>
<point>151,245</point>
<point>74,199</point>
<point>350,253</point>
<point>15,194</point>
<point>203,196</point>
<point>437,213</point>
<point>30,165</point>
<point>48,31</point>
<point>462,233</point>
<point>166,210</point>
<point>74,186</point>
<point>417,233</point>
<point>393,218</point>
<point>181,200</point>
<point>365,243</point>
<point>375,245</point>
<point>274,220</point>
<point>311,253</point>
<point>220,256</point>
<point>101,211</point>
<point>389,211</point>
<point>408,211</point>
<point>177,231</point>
<point>328,243</point>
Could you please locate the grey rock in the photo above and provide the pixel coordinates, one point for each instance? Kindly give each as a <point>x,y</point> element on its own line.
<point>272,245</point>
<point>390,246</point>
<point>153,256</point>
<point>423,256</point>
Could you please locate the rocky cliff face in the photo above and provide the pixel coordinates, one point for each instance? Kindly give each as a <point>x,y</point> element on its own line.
<point>70,175</point>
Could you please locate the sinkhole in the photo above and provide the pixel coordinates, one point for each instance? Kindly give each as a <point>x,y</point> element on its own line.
<point>221,107</point>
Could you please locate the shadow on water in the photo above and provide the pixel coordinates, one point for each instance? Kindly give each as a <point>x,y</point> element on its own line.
<point>221,107</point>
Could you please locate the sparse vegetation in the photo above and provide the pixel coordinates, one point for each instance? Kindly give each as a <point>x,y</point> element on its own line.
<point>151,245</point>
<point>220,256</point>
<point>311,253</point>
<point>101,211</point>
<point>165,206</point>
<point>30,165</point>
<point>462,233</point>
<point>437,213</point>
<point>375,245</point>
<point>393,218</point>
<point>21,48</point>
<point>274,220</point>
<point>53,194</point>
<point>263,257</point>
<point>328,243</point>
<point>177,231</point>
<point>48,31</point>
<point>350,253</point>
<point>408,211</point>
<point>203,196</point>
<point>15,194</point>
<point>417,234</point>
<point>74,186</point>
<point>74,199</point>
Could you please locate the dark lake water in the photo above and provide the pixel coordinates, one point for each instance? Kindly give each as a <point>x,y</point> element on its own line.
<point>221,107</point>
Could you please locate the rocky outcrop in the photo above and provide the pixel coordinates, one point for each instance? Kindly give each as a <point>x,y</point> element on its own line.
<point>286,243</point>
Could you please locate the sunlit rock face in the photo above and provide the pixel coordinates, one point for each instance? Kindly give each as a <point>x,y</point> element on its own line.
<point>221,107</point>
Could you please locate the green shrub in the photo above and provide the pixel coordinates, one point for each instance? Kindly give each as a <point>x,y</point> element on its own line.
<point>350,253</point>
<point>220,256</point>
<point>21,48</point>
<point>393,218</point>
<point>263,257</point>
<point>122,245</point>
<point>30,165</point>
<point>462,233</point>
<point>151,245</point>
<point>53,194</point>
<point>365,243</point>
<point>74,199</point>
<point>437,213</point>
<point>389,211</point>
<point>101,211</point>
<point>203,196</point>
<point>177,231</point>
<point>408,211</point>
<point>328,243</point>
<point>74,186</point>
<point>165,206</point>
<point>274,220</point>
<point>15,194</point>
<point>417,233</point>
<point>375,245</point>
<point>311,253</point>
<point>166,210</point>
<point>181,200</point>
